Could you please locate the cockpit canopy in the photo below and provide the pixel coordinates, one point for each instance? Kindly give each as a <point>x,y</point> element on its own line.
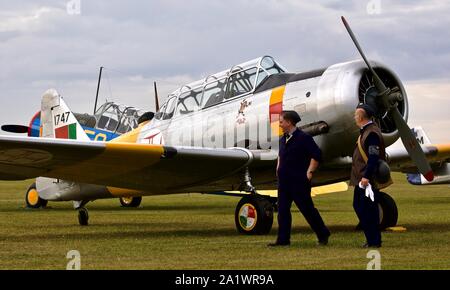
<point>117,118</point>
<point>239,80</point>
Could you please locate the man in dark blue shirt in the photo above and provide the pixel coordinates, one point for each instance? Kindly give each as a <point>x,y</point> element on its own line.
<point>298,158</point>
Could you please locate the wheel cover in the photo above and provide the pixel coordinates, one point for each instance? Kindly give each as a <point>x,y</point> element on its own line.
<point>33,197</point>
<point>248,217</point>
<point>127,200</point>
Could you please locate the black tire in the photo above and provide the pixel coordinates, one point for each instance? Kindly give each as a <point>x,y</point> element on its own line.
<point>83,216</point>
<point>254,215</point>
<point>388,211</point>
<point>131,201</point>
<point>32,198</point>
<point>274,202</point>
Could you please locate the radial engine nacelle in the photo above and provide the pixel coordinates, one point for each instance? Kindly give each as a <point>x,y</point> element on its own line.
<point>331,95</point>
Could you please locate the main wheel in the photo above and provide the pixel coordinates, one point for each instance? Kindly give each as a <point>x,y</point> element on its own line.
<point>130,201</point>
<point>32,198</point>
<point>388,211</point>
<point>274,202</point>
<point>83,216</point>
<point>254,215</point>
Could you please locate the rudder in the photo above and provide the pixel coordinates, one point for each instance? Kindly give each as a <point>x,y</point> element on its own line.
<point>57,119</point>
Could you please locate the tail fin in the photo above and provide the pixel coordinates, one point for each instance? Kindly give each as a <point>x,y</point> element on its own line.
<point>57,120</point>
<point>421,136</point>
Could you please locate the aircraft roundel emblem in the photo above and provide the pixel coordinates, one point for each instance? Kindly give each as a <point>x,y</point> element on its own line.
<point>248,216</point>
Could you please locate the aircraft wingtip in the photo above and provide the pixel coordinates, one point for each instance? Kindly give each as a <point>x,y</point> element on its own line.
<point>429,176</point>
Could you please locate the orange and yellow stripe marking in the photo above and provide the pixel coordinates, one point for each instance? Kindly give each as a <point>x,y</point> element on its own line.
<point>275,109</point>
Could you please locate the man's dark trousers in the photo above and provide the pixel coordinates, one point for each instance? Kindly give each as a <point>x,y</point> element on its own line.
<point>302,198</point>
<point>368,214</point>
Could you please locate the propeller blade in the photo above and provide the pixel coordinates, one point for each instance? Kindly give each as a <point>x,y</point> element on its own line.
<point>377,80</point>
<point>412,146</point>
<point>408,139</point>
<point>15,128</point>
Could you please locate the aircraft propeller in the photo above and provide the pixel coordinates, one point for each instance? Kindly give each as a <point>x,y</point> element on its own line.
<point>15,128</point>
<point>388,98</point>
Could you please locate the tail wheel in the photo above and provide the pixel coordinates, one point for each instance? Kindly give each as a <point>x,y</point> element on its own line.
<point>254,215</point>
<point>83,216</point>
<point>130,201</point>
<point>32,198</point>
<point>388,211</point>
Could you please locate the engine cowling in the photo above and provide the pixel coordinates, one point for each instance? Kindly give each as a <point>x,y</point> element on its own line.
<point>340,89</point>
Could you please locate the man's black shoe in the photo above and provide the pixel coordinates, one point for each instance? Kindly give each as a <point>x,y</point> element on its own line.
<point>366,245</point>
<point>277,244</point>
<point>323,241</point>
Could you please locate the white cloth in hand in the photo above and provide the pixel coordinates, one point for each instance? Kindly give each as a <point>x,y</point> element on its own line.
<point>369,191</point>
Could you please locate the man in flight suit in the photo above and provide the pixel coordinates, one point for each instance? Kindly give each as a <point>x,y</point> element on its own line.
<point>298,158</point>
<point>372,144</point>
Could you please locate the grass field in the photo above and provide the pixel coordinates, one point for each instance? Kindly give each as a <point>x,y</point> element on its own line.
<point>193,231</point>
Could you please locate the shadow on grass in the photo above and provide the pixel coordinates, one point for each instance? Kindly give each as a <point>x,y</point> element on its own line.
<point>427,227</point>
<point>148,230</point>
<point>145,233</point>
<point>429,201</point>
<point>152,230</point>
<point>106,208</point>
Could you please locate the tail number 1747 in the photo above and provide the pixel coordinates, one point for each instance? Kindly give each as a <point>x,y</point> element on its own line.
<point>62,118</point>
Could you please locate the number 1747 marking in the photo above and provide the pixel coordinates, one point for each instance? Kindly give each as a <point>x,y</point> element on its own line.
<point>63,118</point>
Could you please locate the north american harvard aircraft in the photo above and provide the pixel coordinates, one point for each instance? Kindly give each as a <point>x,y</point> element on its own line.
<point>109,121</point>
<point>220,134</point>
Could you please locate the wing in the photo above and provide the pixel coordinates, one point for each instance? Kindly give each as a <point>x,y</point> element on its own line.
<point>399,159</point>
<point>151,168</point>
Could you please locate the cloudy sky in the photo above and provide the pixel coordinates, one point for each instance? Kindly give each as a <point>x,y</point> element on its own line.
<point>43,44</point>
